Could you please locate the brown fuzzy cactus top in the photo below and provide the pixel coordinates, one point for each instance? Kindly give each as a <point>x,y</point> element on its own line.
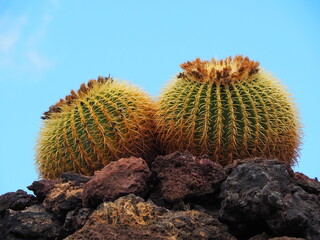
<point>220,71</point>
<point>69,99</point>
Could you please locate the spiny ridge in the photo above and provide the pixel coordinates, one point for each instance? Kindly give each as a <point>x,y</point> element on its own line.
<point>69,99</point>
<point>221,72</point>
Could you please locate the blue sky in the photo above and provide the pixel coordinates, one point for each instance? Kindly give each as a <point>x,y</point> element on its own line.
<point>48,48</point>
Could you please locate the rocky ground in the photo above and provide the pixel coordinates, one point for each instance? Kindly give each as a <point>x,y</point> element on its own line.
<point>178,196</point>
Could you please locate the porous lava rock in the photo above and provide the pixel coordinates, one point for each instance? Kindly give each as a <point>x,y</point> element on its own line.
<point>42,188</point>
<point>255,199</point>
<point>120,178</point>
<point>76,179</point>
<point>285,238</point>
<point>64,197</point>
<point>101,231</point>
<point>18,200</point>
<point>309,185</point>
<point>76,219</point>
<point>130,217</point>
<point>262,196</point>
<point>264,236</point>
<point>32,223</point>
<point>182,175</point>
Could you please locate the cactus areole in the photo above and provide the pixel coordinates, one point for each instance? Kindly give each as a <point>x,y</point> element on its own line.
<point>101,122</point>
<point>228,109</point>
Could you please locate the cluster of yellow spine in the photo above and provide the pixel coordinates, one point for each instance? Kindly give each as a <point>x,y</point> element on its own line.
<point>229,109</point>
<point>102,122</point>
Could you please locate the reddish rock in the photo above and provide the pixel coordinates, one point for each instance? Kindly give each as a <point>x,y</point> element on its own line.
<point>16,201</point>
<point>125,176</point>
<point>182,175</point>
<point>42,188</point>
<point>262,196</point>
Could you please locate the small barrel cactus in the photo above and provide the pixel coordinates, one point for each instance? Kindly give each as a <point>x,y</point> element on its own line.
<point>228,109</point>
<point>101,122</point>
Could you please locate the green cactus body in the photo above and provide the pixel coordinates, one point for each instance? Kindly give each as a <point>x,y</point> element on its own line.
<point>102,122</point>
<point>228,109</point>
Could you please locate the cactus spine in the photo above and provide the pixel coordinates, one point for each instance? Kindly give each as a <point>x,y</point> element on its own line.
<point>229,109</point>
<point>101,122</point>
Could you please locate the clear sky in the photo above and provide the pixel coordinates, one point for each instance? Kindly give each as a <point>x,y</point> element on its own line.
<point>48,48</point>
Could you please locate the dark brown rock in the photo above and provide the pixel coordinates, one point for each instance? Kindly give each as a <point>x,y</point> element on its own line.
<point>261,196</point>
<point>32,223</point>
<point>125,176</point>
<point>130,217</point>
<point>264,236</point>
<point>182,175</point>
<point>309,185</point>
<point>76,219</point>
<point>16,201</point>
<point>77,179</point>
<point>286,238</point>
<point>42,188</point>
<point>64,197</point>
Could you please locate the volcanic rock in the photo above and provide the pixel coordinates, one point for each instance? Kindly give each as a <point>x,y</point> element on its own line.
<point>77,179</point>
<point>264,236</point>
<point>76,219</point>
<point>18,200</point>
<point>261,196</point>
<point>120,178</point>
<point>285,238</point>
<point>109,232</point>
<point>130,217</point>
<point>42,188</point>
<point>309,185</point>
<point>196,199</point>
<point>182,175</point>
<point>64,197</point>
<point>32,223</point>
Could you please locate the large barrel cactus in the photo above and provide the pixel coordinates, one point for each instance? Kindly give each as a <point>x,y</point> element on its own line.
<point>101,122</point>
<point>228,109</point>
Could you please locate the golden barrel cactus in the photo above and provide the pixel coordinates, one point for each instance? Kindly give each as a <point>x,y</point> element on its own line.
<point>101,122</point>
<point>228,109</point>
